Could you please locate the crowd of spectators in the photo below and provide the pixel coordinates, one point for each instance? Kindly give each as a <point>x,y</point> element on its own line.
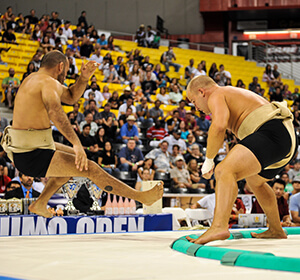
<point>139,138</point>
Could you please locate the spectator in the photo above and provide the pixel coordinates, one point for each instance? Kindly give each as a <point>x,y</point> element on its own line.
<point>54,19</point>
<point>110,43</point>
<point>63,37</point>
<point>86,48</point>
<point>127,94</point>
<point>150,35</point>
<point>135,75</point>
<point>155,113</point>
<point>110,125</point>
<point>142,111</point>
<point>268,75</point>
<point>9,37</point>
<point>105,92</point>
<point>10,85</point>
<point>130,131</point>
<point>36,34</point>
<point>283,207</point>
<point>184,131</point>
<point>107,159</point>
<point>82,19</point>
<point>175,95</point>
<point>191,140</point>
<point>102,41</point>
<point>213,70</point>
<point>175,139</point>
<point>93,109</point>
<point>93,125</point>
<point>203,124</point>
<point>30,69</point>
<point>156,133</point>
<point>286,93</point>
<point>195,154</point>
<point>73,70</point>
<point>149,86</point>
<point>94,36</point>
<point>111,75</point>
<point>4,180</point>
<point>161,80</point>
<point>189,70</point>
<point>123,75</point>
<point>140,36</point>
<point>36,61</point>
<point>161,157</point>
<point>123,118</point>
<point>163,97</point>
<point>75,48</point>
<point>156,41</point>
<point>275,72</point>
<point>25,191</point>
<point>180,176</point>
<point>254,84</point>
<point>295,185</point>
<point>148,66</point>
<point>123,107</point>
<point>119,62</point>
<point>218,80</point>
<point>144,173</point>
<point>67,31</point>
<point>98,95</point>
<point>99,139</point>
<point>174,122</point>
<point>114,100</point>
<point>130,157</point>
<point>46,45</point>
<point>181,110</point>
<point>241,84</point>
<point>167,59</point>
<point>277,95</point>
<point>225,75</point>
<point>193,169</point>
<point>12,185</point>
<point>33,19</point>
<point>78,116</point>
<point>175,153</point>
<point>190,122</point>
<point>295,208</point>
<point>199,71</point>
<point>87,141</point>
<point>106,113</point>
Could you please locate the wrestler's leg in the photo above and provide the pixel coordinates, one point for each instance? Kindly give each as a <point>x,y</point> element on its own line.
<point>40,206</point>
<point>63,165</point>
<point>267,200</point>
<point>239,163</point>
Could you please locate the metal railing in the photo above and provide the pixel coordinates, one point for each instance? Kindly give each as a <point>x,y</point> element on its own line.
<point>287,58</point>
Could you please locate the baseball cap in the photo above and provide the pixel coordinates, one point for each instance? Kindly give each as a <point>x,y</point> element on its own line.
<point>178,131</point>
<point>296,179</point>
<point>179,158</point>
<point>131,118</point>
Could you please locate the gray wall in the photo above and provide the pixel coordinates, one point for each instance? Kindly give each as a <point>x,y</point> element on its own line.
<point>181,16</point>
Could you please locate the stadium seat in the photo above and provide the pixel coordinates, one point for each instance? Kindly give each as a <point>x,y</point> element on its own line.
<point>127,177</point>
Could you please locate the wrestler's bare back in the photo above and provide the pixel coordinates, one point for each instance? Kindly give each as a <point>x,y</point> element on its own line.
<point>240,102</point>
<point>29,110</point>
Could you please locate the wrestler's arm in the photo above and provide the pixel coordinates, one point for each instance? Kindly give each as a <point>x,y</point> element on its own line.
<point>72,94</point>
<point>220,116</point>
<point>51,100</point>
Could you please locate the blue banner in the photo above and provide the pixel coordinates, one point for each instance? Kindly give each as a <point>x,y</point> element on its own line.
<point>37,225</point>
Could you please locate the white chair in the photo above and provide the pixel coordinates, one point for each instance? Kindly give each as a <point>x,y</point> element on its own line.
<point>178,214</point>
<point>199,215</point>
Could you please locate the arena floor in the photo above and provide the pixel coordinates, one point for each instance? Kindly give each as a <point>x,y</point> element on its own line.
<point>129,256</point>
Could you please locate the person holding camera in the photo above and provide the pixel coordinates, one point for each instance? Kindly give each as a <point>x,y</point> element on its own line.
<point>10,85</point>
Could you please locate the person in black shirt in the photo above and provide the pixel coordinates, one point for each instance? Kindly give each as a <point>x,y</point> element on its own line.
<point>81,19</point>
<point>32,18</point>
<point>107,159</point>
<point>87,141</point>
<point>149,86</point>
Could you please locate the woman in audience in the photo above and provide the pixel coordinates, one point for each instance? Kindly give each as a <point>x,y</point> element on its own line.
<point>268,75</point>
<point>27,27</point>
<point>184,131</point>
<point>114,100</point>
<point>239,83</point>
<point>36,34</point>
<point>157,69</point>
<point>107,159</point>
<point>135,76</point>
<point>136,93</point>
<point>195,154</point>
<point>148,164</point>
<point>174,82</point>
<point>163,97</point>
<point>100,139</point>
<point>106,94</point>
<point>45,44</point>
<point>122,74</point>
<point>130,61</point>
<point>161,80</point>
<point>30,69</point>
<point>193,169</point>
<point>110,43</point>
<point>94,36</point>
<point>213,70</point>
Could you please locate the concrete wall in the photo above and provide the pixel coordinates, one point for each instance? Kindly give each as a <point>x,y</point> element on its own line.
<point>181,16</point>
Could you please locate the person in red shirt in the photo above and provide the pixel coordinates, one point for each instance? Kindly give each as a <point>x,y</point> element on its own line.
<point>238,208</point>
<point>4,180</point>
<point>283,207</point>
<point>156,133</point>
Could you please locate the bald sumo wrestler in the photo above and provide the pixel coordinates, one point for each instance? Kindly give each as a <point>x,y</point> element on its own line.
<point>29,141</point>
<point>267,144</point>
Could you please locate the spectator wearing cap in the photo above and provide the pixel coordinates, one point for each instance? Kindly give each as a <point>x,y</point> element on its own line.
<point>180,176</point>
<point>295,208</point>
<point>295,171</point>
<point>175,139</point>
<point>128,104</point>
<point>127,94</point>
<point>130,157</point>
<point>156,133</point>
<point>130,131</point>
<point>296,185</point>
<point>12,185</point>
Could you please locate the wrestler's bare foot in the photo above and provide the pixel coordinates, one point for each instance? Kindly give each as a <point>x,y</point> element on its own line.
<point>40,209</point>
<point>211,234</point>
<point>271,234</point>
<point>150,196</point>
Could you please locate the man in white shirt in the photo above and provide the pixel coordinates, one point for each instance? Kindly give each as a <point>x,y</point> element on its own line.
<point>224,74</point>
<point>123,107</point>
<point>97,56</point>
<point>63,38</point>
<point>67,30</point>
<point>175,139</point>
<point>98,95</point>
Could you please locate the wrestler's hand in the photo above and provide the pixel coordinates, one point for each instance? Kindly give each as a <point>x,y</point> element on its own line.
<point>81,160</point>
<point>208,168</point>
<point>88,69</point>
